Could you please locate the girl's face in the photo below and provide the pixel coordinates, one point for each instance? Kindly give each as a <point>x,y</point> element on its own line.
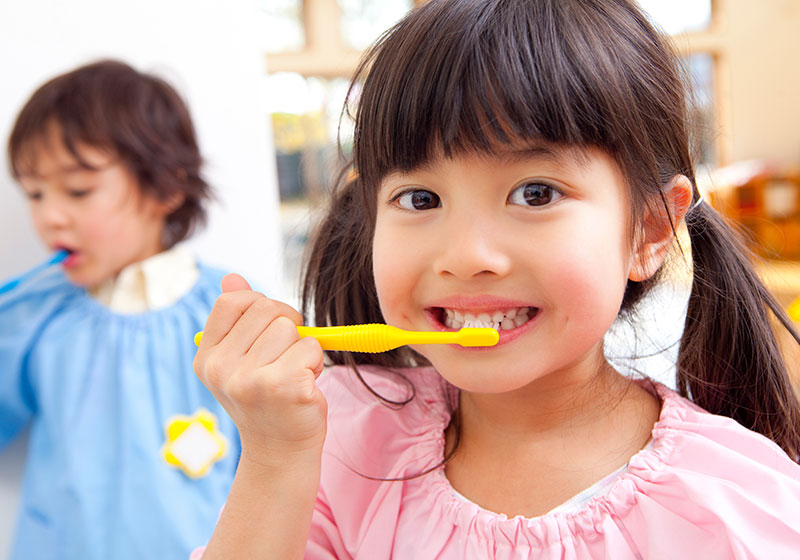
<point>100,216</point>
<point>535,242</point>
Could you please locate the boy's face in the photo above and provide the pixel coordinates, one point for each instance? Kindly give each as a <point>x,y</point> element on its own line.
<point>100,216</point>
<point>536,242</point>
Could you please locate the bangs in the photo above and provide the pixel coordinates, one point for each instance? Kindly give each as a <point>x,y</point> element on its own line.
<point>40,139</point>
<point>70,114</point>
<point>472,75</point>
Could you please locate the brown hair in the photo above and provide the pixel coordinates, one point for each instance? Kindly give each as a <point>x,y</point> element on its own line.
<point>468,75</point>
<point>138,117</point>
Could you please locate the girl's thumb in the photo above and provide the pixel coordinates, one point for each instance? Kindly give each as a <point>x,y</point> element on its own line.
<point>234,283</point>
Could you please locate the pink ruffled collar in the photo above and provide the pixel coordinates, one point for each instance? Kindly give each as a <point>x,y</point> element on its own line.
<point>556,526</point>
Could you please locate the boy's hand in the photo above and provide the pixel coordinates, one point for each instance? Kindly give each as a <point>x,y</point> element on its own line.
<point>256,365</point>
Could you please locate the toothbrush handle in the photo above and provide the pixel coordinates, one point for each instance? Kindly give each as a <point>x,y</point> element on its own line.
<point>14,282</point>
<point>352,338</point>
<point>357,338</point>
<point>10,285</point>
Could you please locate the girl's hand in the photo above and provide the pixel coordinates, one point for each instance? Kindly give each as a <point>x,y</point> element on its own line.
<point>256,365</point>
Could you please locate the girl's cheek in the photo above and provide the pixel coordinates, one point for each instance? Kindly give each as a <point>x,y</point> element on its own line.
<point>387,291</point>
<point>393,287</point>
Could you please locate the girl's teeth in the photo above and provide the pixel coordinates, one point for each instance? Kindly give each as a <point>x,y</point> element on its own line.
<point>499,320</point>
<point>480,324</point>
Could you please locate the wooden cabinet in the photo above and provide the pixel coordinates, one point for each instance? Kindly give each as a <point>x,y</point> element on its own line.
<point>767,205</point>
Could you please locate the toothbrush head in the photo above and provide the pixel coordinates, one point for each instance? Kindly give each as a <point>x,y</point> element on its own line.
<point>59,256</point>
<point>478,337</point>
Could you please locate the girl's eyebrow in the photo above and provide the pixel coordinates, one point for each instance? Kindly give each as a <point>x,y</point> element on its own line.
<point>550,153</point>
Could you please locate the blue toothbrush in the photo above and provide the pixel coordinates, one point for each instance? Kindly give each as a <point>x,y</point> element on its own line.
<point>14,282</point>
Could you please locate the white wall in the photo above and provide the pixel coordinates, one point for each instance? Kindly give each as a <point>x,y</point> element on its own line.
<point>209,50</point>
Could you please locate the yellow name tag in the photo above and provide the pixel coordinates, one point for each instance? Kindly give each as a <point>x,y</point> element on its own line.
<point>193,443</point>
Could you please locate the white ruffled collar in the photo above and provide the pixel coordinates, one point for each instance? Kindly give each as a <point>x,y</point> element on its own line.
<point>154,283</point>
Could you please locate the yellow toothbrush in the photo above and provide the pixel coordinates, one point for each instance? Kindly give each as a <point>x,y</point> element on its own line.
<point>382,338</point>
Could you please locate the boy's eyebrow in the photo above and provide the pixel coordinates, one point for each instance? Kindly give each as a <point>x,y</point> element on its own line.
<point>79,168</point>
<point>60,171</point>
<point>65,170</point>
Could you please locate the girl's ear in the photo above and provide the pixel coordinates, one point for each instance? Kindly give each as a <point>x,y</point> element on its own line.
<point>658,233</point>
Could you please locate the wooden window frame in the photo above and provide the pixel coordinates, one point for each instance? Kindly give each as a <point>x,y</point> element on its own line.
<point>326,55</point>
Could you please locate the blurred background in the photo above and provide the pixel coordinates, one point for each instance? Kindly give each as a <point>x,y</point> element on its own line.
<point>266,81</point>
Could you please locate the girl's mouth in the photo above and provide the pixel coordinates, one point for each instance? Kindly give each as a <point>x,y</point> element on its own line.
<point>500,320</point>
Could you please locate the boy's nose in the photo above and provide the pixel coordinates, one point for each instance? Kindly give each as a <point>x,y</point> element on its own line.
<point>473,248</point>
<point>52,214</point>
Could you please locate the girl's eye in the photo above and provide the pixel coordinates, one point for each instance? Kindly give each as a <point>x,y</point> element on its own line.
<point>79,193</point>
<point>534,194</point>
<point>417,199</point>
<point>33,195</point>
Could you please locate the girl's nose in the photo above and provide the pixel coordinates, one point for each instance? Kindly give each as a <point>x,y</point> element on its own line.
<point>473,248</point>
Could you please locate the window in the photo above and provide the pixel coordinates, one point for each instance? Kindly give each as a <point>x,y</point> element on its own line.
<point>305,123</point>
<point>700,67</point>
<point>692,25</point>
<point>313,50</point>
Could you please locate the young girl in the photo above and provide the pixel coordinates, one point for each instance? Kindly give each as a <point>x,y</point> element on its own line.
<point>129,455</point>
<point>522,164</point>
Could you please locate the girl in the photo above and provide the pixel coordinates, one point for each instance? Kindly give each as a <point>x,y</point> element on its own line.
<point>125,441</point>
<point>523,164</point>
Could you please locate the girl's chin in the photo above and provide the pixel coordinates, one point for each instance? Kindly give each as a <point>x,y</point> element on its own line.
<point>480,384</point>
<point>469,372</point>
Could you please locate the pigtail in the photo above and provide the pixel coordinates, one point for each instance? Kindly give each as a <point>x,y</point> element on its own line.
<point>729,361</point>
<point>338,287</point>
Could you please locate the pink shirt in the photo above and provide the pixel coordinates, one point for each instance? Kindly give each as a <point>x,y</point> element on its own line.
<point>705,488</point>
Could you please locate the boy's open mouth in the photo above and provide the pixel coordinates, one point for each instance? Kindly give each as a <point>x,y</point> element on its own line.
<point>72,255</point>
<point>501,320</point>
<point>63,248</point>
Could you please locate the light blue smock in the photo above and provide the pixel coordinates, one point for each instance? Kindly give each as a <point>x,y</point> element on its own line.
<point>98,388</point>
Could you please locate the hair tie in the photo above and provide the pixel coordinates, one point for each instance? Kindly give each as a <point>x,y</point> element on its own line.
<point>696,203</point>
